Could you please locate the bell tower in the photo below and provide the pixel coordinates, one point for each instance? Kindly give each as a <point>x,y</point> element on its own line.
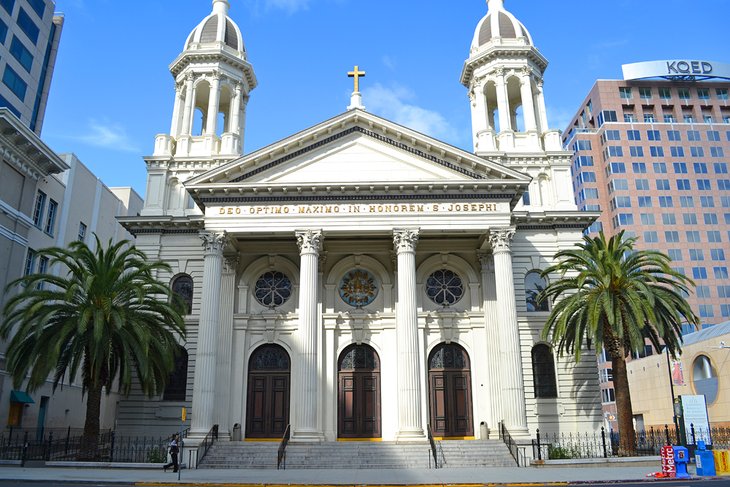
<point>504,78</point>
<point>213,80</point>
<point>504,75</point>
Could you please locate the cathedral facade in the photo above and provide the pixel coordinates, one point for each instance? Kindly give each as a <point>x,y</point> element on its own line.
<point>360,280</point>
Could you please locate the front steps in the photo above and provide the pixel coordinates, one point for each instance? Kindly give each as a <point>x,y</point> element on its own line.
<point>359,455</point>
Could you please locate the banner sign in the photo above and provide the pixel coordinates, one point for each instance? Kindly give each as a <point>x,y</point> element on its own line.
<point>694,414</point>
<point>686,69</point>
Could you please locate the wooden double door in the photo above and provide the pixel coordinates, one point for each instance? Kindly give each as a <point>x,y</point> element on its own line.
<point>269,381</point>
<point>359,393</point>
<point>450,403</point>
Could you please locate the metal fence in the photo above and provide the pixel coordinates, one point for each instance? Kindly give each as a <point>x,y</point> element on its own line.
<point>605,444</point>
<point>65,445</point>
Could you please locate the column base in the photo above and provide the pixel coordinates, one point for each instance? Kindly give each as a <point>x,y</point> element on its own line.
<point>410,436</point>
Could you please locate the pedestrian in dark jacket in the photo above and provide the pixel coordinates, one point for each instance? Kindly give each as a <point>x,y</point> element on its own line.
<point>174,449</point>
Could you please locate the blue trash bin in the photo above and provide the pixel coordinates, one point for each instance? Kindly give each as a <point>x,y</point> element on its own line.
<point>705,461</point>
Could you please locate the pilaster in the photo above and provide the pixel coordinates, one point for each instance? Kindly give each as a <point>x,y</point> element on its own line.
<point>225,346</point>
<point>492,327</point>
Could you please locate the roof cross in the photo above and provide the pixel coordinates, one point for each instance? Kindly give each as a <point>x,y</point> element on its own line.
<point>357,74</point>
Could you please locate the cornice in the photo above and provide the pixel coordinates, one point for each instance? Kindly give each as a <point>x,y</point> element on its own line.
<point>25,151</point>
<point>165,225</point>
<point>570,219</point>
<point>496,52</point>
<point>214,55</point>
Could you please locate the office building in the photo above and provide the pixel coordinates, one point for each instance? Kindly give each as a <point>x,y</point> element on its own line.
<point>29,37</point>
<point>652,153</point>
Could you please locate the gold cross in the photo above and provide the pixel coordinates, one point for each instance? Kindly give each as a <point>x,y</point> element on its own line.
<point>357,74</point>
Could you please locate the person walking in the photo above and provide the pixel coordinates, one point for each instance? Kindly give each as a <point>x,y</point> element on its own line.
<point>174,449</point>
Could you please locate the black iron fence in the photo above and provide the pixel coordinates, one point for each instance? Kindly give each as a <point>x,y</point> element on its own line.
<point>65,445</point>
<point>605,444</point>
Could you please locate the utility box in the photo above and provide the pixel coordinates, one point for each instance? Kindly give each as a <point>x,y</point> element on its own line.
<point>705,461</point>
<point>681,459</point>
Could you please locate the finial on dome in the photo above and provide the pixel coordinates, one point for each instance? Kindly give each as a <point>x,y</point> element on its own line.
<point>221,6</point>
<point>495,4</point>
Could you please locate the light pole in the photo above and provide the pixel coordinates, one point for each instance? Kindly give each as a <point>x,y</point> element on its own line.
<point>674,398</point>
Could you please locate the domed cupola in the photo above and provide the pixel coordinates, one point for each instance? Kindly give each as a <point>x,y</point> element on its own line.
<point>500,27</point>
<point>216,29</point>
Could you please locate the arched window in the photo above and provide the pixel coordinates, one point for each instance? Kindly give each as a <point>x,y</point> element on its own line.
<point>534,283</point>
<point>177,384</point>
<point>182,286</point>
<point>704,378</point>
<point>543,372</point>
<point>273,289</point>
<point>444,287</point>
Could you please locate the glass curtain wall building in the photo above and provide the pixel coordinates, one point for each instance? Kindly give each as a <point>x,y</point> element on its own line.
<point>29,37</point>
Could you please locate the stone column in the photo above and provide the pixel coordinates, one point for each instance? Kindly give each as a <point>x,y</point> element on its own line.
<point>305,427</point>
<point>175,126</point>
<point>205,358</point>
<point>235,126</point>
<point>492,327</point>
<point>187,123</point>
<point>211,120</point>
<point>513,389</point>
<point>410,422</point>
<point>225,346</point>
<point>541,107</point>
<point>503,103</point>
<point>528,104</point>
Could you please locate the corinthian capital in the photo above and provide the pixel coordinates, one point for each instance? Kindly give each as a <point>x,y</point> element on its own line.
<point>310,241</point>
<point>230,264</point>
<point>214,242</point>
<point>405,240</point>
<point>501,239</point>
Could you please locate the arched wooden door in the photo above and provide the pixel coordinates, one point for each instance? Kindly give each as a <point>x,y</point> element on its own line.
<point>267,409</point>
<point>449,379</point>
<point>359,393</point>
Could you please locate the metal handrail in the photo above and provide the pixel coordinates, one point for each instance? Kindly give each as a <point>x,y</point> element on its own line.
<point>512,446</point>
<point>433,447</point>
<point>281,453</point>
<point>205,445</point>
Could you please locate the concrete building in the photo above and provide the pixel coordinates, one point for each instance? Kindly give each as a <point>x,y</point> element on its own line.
<point>63,206</point>
<point>702,369</point>
<point>653,155</point>
<point>29,36</point>
<point>360,280</point>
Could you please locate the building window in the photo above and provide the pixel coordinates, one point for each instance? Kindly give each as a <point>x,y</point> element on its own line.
<point>444,287</point>
<point>645,201</point>
<point>358,288</point>
<point>675,254</point>
<point>653,135</point>
<point>182,286</point>
<point>720,272</point>
<point>21,53</point>
<point>12,80</point>
<point>636,151</point>
<point>703,184</point>
<point>642,184</point>
<point>666,202</point>
<point>693,236</point>
<point>707,201</point>
<point>704,378</point>
<point>543,371</point>
<point>534,284</point>
<point>717,255</point>
<point>714,236</point>
<point>651,237</point>
<point>629,117</point>
<point>82,232</point>
<point>720,167</point>
<point>683,93</point>
<point>671,236</point>
<point>39,207</point>
<point>669,219</point>
<point>674,135</point>
<point>656,151</point>
<point>8,5</point>
<point>639,167</point>
<point>30,258</point>
<point>700,168</point>
<point>696,151</point>
<point>625,93</point>
<point>703,93</point>
<point>633,134</point>
<point>51,218</point>
<point>670,118</point>
<point>696,255</point>
<point>647,219</point>
<point>665,93</point>
<point>717,152</point>
<point>42,268</point>
<point>711,219</point>
<point>689,218</point>
<point>722,94</point>
<point>27,25</point>
<point>177,383</point>
<point>660,167</point>
<point>645,93</point>
<point>688,118</point>
<point>683,185</point>
<point>649,118</point>
<point>662,184</point>
<point>38,6</point>
<point>699,273</point>
<point>687,201</point>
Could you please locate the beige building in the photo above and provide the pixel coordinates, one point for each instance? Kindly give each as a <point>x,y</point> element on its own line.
<point>703,368</point>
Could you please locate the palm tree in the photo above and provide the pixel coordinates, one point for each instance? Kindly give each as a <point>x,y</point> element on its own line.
<point>108,317</point>
<point>615,297</point>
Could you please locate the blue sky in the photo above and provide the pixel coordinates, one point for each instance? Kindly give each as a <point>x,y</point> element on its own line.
<point>112,91</point>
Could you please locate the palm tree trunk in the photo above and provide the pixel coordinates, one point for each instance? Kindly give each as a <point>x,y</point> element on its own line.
<point>627,444</point>
<point>90,438</point>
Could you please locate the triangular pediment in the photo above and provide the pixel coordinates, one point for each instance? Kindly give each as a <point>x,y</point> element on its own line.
<point>357,148</point>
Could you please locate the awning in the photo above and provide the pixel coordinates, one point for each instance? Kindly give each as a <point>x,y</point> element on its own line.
<point>21,397</point>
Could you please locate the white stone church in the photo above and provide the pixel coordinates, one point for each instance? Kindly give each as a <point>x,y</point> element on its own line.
<point>360,280</point>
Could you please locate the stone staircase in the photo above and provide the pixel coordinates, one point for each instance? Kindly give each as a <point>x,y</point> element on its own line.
<point>359,455</point>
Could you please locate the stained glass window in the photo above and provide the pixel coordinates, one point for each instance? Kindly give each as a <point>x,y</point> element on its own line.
<point>273,289</point>
<point>444,287</point>
<point>358,288</point>
<point>269,357</point>
<point>448,356</point>
<point>359,357</point>
<point>182,285</point>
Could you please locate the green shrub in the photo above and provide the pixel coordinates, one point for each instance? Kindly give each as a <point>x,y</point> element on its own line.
<point>156,455</point>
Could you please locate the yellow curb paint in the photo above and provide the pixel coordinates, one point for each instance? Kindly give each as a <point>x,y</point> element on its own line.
<point>455,438</point>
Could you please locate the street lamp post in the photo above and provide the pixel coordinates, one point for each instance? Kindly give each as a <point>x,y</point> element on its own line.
<point>674,398</point>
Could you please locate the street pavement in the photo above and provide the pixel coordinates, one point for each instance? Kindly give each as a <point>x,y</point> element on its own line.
<point>530,475</point>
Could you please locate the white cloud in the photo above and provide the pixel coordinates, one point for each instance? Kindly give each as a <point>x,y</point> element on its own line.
<point>396,104</point>
<point>289,6</point>
<point>107,135</point>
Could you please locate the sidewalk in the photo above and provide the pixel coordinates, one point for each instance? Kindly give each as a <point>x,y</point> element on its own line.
<point>445,476</point>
